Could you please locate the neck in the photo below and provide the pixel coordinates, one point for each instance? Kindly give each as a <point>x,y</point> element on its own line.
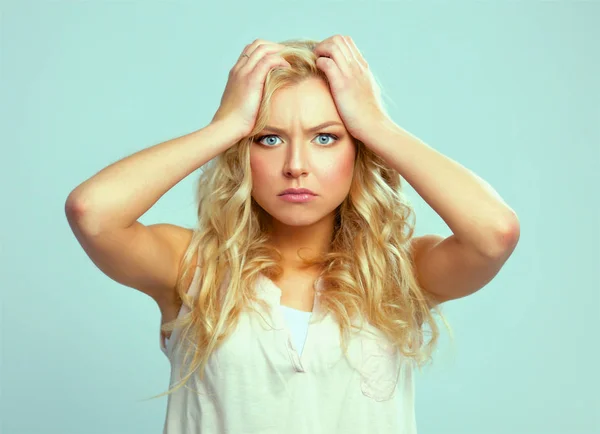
<point>308,241</point>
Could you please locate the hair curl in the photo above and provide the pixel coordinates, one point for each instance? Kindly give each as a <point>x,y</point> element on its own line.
<point>369,270</point>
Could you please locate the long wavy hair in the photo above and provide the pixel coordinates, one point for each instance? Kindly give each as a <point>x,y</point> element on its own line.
<point>369,270</point>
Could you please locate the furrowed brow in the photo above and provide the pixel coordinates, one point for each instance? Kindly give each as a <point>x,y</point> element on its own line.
<point>313,129</point>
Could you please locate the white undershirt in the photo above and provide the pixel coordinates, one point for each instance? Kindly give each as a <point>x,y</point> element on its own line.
<point>297,322</point>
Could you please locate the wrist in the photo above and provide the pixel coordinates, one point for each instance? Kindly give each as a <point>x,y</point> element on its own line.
<point>233,127</point>
<point>229,129</point>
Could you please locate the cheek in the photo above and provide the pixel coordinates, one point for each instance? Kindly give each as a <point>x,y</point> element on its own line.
<point>258,166</point>
<point>338,169</point>
<point>261,171</point>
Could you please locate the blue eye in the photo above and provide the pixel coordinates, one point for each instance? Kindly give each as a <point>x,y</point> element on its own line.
<point>261,138</point>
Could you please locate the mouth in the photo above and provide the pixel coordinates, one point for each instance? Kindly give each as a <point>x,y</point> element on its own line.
<point>297,197</point>
<point>297,191</point>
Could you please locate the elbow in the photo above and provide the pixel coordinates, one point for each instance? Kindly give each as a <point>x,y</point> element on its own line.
<point>73,207</point>
<point>506,238</point>
<point>77,215</point>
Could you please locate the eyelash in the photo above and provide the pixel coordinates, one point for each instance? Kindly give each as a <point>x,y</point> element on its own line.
<point>260,139</point>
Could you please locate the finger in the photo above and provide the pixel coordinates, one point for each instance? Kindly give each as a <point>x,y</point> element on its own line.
<point>330,68</point>
<point>257,56</point>
<point>355,51</point>
<point>335,48</point>
<point>254,52</point>
<point>268,62</point>
<point>250,48</point>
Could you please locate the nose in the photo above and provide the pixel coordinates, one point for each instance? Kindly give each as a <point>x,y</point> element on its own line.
<point>296,162</point>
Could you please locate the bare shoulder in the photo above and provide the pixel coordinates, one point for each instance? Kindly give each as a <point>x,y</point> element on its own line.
<point>179,238</point>
<point>424,242</point>
<point>449,269</point>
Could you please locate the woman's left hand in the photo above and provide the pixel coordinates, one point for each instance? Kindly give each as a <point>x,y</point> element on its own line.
<point>353,86</point>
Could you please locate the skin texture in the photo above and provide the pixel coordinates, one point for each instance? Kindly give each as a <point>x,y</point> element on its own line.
<point>300,158</point>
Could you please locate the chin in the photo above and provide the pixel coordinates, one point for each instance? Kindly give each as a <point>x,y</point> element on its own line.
<point>295,219</point>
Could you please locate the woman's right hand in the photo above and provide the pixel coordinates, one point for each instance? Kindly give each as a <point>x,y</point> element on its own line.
<point>243,93</point>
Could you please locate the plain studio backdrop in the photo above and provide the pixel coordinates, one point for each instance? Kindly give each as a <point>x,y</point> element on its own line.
<point>509,89</point>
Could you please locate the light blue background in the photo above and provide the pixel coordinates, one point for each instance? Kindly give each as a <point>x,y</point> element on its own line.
<point>508,89</point>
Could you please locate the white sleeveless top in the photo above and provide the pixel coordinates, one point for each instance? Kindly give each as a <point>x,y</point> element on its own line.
<point>273,376</point>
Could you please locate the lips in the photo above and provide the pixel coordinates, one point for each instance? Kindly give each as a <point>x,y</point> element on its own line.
<point>297,191</point>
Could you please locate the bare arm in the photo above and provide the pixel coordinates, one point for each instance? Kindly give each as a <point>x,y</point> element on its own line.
<point>103,212</point>
<point>118,195</point>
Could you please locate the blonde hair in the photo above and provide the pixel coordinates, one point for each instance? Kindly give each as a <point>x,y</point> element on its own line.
<point>368,271</point>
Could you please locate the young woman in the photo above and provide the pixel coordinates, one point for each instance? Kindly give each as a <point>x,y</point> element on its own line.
<point>298,302</point>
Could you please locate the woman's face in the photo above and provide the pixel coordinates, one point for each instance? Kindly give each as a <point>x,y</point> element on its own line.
<point>293,155</point>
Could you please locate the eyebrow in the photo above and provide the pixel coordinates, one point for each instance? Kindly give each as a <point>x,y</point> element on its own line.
<point>313,129</point>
